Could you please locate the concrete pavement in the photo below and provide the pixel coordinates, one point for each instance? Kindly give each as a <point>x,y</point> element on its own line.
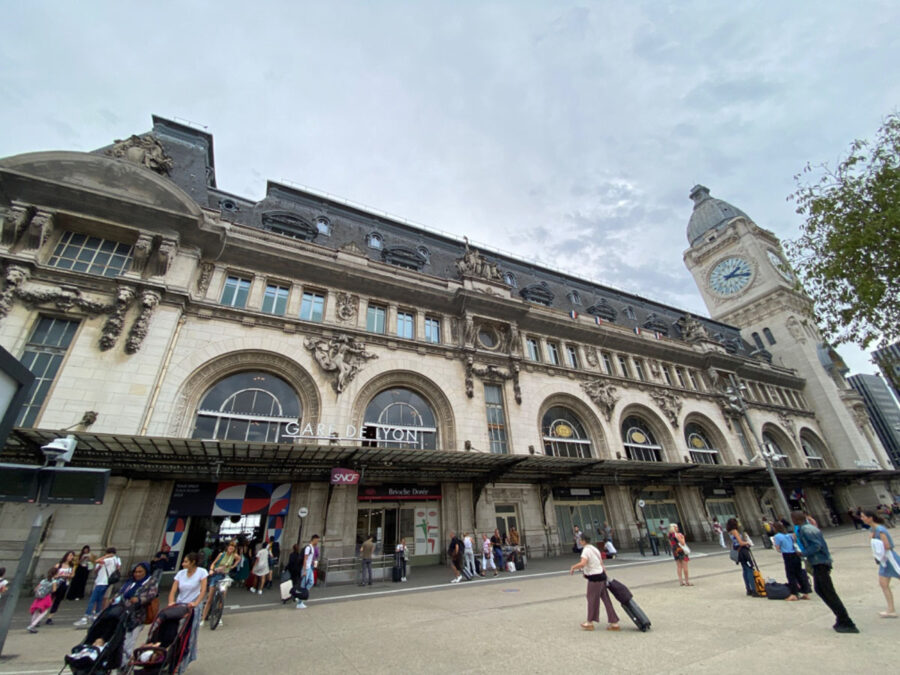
<point>528,622</point>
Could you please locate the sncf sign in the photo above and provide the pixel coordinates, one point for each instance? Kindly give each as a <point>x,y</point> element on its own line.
<point>344,477</point>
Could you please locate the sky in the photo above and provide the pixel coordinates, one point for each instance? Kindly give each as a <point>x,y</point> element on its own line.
<point>569,134</point>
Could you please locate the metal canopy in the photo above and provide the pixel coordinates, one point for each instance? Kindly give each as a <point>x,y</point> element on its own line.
<point>197,460</point>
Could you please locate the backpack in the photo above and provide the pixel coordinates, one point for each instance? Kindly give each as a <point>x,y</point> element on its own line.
<point>43,589</point>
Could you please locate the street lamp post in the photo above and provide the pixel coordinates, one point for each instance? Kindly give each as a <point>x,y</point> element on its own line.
<point>736,398</point>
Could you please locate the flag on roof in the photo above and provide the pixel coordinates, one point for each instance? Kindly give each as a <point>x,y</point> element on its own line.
<point>573,314</point>
<point>637,330</point>
<point>598,320</point>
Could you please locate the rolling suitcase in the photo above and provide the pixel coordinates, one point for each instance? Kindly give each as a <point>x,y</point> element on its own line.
<point>396,574</point>
<point>625,597</point>
<point>758,581</point>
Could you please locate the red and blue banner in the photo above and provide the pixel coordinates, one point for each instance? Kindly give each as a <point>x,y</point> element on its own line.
<point>229,499</point>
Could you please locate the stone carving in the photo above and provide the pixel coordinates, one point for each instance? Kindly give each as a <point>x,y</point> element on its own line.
<point>39,230</point>
<point>492,372</point>
<point>691,329</point>
<point>590,354</point>
<point>347,306</point>
<point>603,394</point>
<point>341,355</point>
<point>141,326</point>
<point>64,297</point>
<point>454,330</point>
<point>513,343</point>
<point>141,253</point>
<point>15,277</point>
<point>715,380</point>
<point>164,257</point>
<point>655,368</point>
<point>205,276</point>
<point>860,416</point>
<point>15,221</point>
<point>145,151</point>
<point>787,423</point>
<point>353,248</point>
<point>669,403</point>
<point>795,329</point>
<point>474,264</point>
<point>470,332</point>
<point>116,321</point>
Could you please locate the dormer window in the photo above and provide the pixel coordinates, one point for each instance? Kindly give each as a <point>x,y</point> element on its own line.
<point>603,310</point>
<point>539,294</point>
<point>229,205</point>
<point>510,279</point>
<point>323,225</point>
<point>404,257</point>
<point>289,225</point>
<point>574,298</point>
<point>424,252</point>
<point>629,312</point>
<point>375,240</point>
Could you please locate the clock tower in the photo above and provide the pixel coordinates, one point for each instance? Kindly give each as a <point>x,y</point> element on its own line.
<point>745,281</point>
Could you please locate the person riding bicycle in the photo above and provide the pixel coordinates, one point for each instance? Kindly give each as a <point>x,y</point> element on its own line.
<point>226,561</point>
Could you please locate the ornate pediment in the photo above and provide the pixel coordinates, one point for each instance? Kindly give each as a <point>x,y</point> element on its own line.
<point>282,222</point>
<point>655,323</point>
<point>403,256</point>
<point>539,293</point>
<point>603,309</point>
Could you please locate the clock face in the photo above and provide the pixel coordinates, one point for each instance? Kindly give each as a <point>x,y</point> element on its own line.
<point>780,265</point>
<point>730,276</point>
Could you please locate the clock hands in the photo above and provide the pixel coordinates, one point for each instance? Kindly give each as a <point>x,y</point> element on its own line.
<point>736,272</point>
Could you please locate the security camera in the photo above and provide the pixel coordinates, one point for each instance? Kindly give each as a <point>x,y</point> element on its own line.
<point>60,450</point>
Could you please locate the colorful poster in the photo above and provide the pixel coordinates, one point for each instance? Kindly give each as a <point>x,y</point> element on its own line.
<point>428,527</point>
<point>229,499</point>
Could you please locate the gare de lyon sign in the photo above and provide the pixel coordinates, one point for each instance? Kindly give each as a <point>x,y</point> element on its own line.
<point>327,432</point>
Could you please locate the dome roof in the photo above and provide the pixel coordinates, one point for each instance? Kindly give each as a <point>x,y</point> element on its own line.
<point>709,214</point>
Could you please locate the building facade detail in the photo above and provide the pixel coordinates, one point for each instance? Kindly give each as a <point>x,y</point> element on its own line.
<point>341,357</point>
<point>145,151</point>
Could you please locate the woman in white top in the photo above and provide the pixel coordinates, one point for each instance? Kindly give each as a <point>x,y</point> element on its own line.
<point>189,588</point>
<point>261,567</point>
<point>591,565</point>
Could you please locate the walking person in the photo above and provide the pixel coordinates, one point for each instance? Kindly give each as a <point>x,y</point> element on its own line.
<point>744,559</point>
<point>43,600</point>
<point>797,579</point>
<point>680,552</point>
<point>83,568</point>
<point>576,546</point>
<point>455,554</point>
<point>365,553</point>
<point>487,555</point>
<point>402,555</point>
<point>307,576</point>
<point>591,566</point>
<point>718,531</point>
<point>469,554</point>
<point>261,567</point>
<point>497,544</point>
<point>138,593</point>
<point>189,588</point>
<point>221,566</point>
<point>813,545</point>
<point>107,566</point>
<point>65,572</point>
<point>888,561</point>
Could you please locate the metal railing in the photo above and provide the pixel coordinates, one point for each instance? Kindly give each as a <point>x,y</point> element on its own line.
<point>349,570</point>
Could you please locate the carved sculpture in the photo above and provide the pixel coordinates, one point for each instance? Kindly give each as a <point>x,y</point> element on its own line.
<point>141,326</point>
<point>39,230</point>
<point>794,328</point>
<point>141,253</point>
<point>116,321</point>
<point>347,306</point>
<point>206,270</point>
<point>474,264</point>
<point>787,423</point>
<point>590,354</point>
<point>492,372</point>
<point>164,257</point>
<point>15,221</point>
<point>145,151</point>
<point>691,329</point>
<point>669,403</point>
<point>341,355</point>
<point>470,332</point>
<point>603,394</point>
<point>513,343</point>
<point>15,277</point>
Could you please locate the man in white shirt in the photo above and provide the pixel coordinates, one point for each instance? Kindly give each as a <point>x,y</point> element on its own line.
<point>308,578</point>
<point>106,565</point>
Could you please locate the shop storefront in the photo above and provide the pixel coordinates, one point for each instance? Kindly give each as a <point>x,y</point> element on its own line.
<point>413,512</point>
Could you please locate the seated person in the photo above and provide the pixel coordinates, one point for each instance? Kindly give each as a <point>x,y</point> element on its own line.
<point>609,549</point>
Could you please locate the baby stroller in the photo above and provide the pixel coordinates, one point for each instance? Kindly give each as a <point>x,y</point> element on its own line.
<point>167,642</point>
<point>108,629</point>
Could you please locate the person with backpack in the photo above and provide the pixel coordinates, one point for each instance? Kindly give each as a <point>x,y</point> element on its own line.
<point>455,553</point>
<point>308,566</point>
<point>43,599</point>
<point>107,566</point>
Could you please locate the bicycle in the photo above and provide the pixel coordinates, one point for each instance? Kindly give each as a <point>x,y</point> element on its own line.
<point>218,602</point>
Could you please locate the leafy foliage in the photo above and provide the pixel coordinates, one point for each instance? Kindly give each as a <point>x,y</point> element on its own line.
<point>848,254</point>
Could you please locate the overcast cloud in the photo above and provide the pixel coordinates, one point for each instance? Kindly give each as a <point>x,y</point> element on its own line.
<point>567,133</point>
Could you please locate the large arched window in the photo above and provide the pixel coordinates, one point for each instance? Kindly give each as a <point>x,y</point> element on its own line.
<point>400,418</point>
<point>699,446</point>
<point>564,434</point>
<point>780,458</point>
<point>249,406</point>
<point>640,443</point>
<point>813,452</point>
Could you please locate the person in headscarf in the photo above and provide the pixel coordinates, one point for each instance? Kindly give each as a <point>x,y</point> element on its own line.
<point>138,593</point>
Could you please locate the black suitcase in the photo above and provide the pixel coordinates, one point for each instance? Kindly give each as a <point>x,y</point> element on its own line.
<point>625,597</point>
<point>396,574</point>
<point>520,563</point>
<point>299,592</point>
<point>776,591</point>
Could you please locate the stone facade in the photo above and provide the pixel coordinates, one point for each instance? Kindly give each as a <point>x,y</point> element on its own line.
<point>343,306</point>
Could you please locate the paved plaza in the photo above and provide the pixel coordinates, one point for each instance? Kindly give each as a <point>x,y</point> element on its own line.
<point>528,622</point>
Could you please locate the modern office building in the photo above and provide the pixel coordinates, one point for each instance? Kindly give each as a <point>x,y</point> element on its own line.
<point>232,360</point>
<point>888,360</point>
<point>883,412</point>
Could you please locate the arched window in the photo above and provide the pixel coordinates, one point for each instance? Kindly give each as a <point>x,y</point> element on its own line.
<point>400,418</point>
<point>510,279</point>
<point>374,240</point>
<point>812,452</point>
<point>701,450</point>
<point>324,226</point>
<point>757,341</point>
<point>640,444</point>
<point>780,458</point>
<point>564,434</point>
<point>769,336</point>
<point>250,406</point>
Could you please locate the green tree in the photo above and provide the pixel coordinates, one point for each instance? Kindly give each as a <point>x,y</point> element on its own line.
<point>848,254</point>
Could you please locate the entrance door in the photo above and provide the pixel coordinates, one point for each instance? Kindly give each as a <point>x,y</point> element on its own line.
<point>667,512</point>
<point>588,516</point>
<point>506,518</point>
<point>723,509</point>
<point>388,522</point>
<point>370,521</point>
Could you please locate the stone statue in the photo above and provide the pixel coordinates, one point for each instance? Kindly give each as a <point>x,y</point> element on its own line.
<point>145,151</point>
<point>474,264</point>
<point>669,403</point>
<point>15,277</point>
<point>114,324</point>
<point>341,355</point>
<point>470,332</point>
<point>164,257</point>
<point>513,343</point>
<point>15,222</point>
<point>691,329</point>
<point>206,270</point>
<point>39,230</point>
<point>603,394</point>
<point>141,326</point>
<point>141,253</point>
